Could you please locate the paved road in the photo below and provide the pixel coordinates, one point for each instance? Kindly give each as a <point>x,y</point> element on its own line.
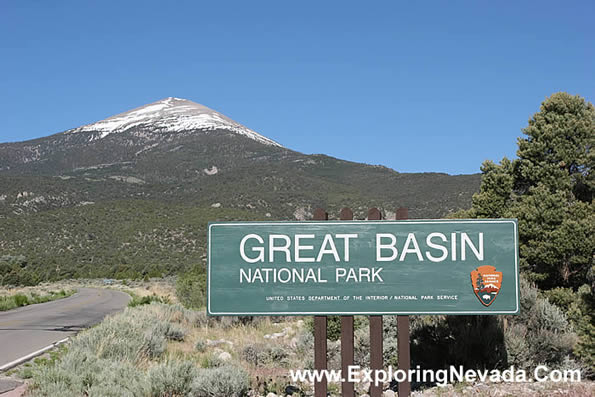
<point>30,328</point>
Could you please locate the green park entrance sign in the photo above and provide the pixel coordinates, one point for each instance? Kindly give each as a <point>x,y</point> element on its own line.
<point>363,267</point>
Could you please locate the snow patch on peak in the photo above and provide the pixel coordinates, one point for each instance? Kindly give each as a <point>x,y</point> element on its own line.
<point>171,114</point>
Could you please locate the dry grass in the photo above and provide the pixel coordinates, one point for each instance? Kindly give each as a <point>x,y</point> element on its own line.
<point>164,288</point>
<point>41,289</point>
<point>17,297</point>
<point>240,337</point>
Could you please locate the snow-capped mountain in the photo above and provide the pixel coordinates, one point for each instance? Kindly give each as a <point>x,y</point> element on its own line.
<point>173,115</point>
<point>179,151</point>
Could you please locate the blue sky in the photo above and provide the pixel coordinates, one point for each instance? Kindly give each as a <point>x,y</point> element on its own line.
<point>416,86</point>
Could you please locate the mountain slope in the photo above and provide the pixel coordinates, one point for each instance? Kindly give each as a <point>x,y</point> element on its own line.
<point>178,157</point>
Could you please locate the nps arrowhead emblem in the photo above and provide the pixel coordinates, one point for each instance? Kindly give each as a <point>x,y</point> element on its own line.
<point>486,282</point>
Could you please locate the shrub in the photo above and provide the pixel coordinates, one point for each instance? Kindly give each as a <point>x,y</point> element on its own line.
<point>191,289</point>
<point>229,381</point>
<point>172,378</point>
<point>200,346</point>
<point>20,300</point>
<point>305,342</point>
<point>79,373</point>
<point>153,345</point>
<point>259,354</point>
<point>145,300</point>
<point>77,369</point>
<point>390,351</point>
<point>211,361</point>
<point>549,339</point>
<point>116,338</point>
<point>110,390</point>
<point>7,303</point>
<point>117,379</point>
<point>175,332</point>
<point>250,354</point>
<point>131,336</point>
<point>278,354</point>
<point>333,354</point>
<point>517,348</point>
<point>52,381</point>
<point>361,353</point>
<point>578,306</point>
<point>165,323</point>
<point>200,318</point>
<point>176,313</point>
<point>52,389</point>
<point>227,322</point>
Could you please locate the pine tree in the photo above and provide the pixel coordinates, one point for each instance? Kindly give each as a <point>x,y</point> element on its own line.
<point>549,188</point>
<point>479,282</point>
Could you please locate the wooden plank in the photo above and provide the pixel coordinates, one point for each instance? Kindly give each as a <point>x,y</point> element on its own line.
<point>402,214</point>
<point>376,337</point>
<point>346,214</point>
<point>403,342</point>
<point>347,388</point>
<point>347,355</point>
<point>376,345</point>
<point>320,348</point>
<point>404,353</point>
<point>320,386</point>
<point>320,215</point>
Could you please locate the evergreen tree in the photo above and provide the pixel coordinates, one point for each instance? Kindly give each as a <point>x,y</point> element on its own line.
<point>557,150</point>
<point>479,282</point>
<point>549,188</point>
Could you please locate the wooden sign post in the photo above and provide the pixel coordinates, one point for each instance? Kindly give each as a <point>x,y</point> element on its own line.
<point>376,330</point>
<point>320,364</point>
<point>376,333</point>
<point>347,356</point>
<point>403,344</point>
